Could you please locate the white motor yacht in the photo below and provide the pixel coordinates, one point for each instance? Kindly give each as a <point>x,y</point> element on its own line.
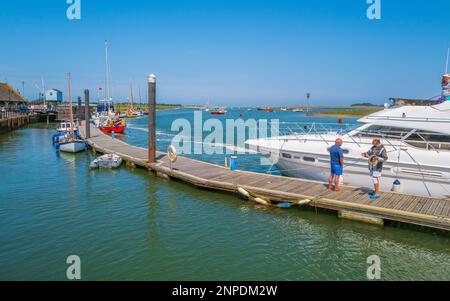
<point>417,139</point>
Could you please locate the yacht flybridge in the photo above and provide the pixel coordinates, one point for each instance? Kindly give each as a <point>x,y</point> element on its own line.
<point>417,139</point>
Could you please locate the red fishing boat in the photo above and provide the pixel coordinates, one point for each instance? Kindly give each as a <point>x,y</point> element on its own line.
<point>114,125</point>
<point>217,113</point>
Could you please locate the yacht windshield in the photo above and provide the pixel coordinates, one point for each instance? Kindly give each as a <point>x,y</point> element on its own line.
<point>415,137</point>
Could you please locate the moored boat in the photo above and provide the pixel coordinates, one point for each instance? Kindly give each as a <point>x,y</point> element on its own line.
<point>72,146</point>
<point>113,125</point>
<point>267,109</point>
<point>106,161</point>
<point>416,139</point>
<point>70,142</point>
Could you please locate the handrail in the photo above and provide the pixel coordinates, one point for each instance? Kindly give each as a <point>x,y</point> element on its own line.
<point>421,119</point>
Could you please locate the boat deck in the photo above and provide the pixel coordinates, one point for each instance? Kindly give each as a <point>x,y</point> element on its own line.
<point>352,202</point>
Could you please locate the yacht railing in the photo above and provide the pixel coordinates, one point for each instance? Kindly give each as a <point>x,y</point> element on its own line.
<point>317,128</point>
<point>302,131</point>
<point>415,119</point>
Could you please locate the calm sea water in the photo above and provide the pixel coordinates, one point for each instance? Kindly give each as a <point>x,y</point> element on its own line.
<point>128,224</point>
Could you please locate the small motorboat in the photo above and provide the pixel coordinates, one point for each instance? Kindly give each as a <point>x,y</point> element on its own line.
<point>106,161</point>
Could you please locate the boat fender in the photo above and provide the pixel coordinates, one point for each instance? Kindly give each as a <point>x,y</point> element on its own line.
<point>284,205</point>
<point>304,202</point>
<point>243,192</point>
<point>261,201</point>
<point>172,153</point>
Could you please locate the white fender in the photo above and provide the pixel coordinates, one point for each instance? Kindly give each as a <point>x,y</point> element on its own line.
<point>261,201</point>
<point>243,192</point>
<point>304,202</point>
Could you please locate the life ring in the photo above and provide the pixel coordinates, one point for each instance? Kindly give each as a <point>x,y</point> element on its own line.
<point>172,153</point>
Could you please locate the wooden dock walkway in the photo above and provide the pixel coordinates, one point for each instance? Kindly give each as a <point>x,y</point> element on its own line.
<point>352,202</point>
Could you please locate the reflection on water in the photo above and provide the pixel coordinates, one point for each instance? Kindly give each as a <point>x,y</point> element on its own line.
<point>129,224</point>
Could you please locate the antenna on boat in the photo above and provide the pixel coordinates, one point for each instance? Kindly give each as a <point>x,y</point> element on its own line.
<point>446,64</point>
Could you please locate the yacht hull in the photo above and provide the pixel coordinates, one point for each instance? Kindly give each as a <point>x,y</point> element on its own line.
<point>72,147</point>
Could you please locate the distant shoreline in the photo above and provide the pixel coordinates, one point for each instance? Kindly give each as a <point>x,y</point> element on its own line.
<point>347,113</point>
<point>334,115</point>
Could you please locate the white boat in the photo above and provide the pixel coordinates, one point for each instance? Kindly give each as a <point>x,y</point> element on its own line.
<point>417,139</point>
<point>72,146</point>
<point>106,161</point>
<point>66,127</point>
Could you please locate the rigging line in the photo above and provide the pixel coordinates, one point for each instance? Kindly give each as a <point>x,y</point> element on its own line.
<point>420,168</point>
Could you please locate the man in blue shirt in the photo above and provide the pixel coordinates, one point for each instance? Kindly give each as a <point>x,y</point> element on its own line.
<point>337,163</point>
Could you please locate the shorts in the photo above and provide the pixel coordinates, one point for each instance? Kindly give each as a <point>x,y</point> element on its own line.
<point>376,175</point>
<point>336,170</point>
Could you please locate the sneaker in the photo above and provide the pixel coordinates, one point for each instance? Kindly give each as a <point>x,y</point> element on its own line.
<point>374,196</point>
<point>371,192</point>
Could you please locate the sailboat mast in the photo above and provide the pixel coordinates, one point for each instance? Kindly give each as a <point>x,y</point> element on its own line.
<point>140,99</point>
<point>131,96</point>
<point>107,96</point>
<point>69,78</point>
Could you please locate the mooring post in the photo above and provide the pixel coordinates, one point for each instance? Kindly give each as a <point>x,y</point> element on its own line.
<point>86,114</point>
<point>151,118</point>
<point>79,113</point>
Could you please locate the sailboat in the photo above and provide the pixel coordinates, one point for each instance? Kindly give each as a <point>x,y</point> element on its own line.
<point>139,112</point>
<point>71,144</point>
<point>130,112</point>
<point>112,123</point>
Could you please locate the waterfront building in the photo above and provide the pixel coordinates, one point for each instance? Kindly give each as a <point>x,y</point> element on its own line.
<point>10,98</point>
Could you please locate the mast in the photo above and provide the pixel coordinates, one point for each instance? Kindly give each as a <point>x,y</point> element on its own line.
<point>107,96</point>
<point>130,102</point>
<point>131,96</point>
<point>69,78</point>
<point>140,99</point>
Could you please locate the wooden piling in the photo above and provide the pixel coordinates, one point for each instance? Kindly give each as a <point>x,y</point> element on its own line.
<point>151,118</point>
<point>86,114</point>
<point>79,111</point>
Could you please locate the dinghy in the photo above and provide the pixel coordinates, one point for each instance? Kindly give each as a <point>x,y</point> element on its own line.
<point>106,161</point>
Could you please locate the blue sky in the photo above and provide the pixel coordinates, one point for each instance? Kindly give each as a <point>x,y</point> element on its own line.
<point>234,52</point>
